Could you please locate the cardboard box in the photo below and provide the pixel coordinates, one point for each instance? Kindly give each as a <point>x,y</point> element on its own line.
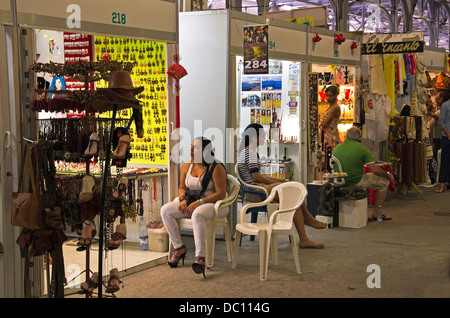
<point>353,213</point>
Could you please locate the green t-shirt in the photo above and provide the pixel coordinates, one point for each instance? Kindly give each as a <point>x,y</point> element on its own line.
<point>352,156</point>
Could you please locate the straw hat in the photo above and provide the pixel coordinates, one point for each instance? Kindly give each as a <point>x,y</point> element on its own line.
<point>120,92</point>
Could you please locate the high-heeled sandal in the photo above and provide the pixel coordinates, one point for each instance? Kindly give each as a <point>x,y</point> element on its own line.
<point>199,266</point>
<point>86,194</point>
<point>173,262</point>
<point>122,146</point>
<point>113,275</point>
<point>118,236</point>
<point>85,241</point>
<point>90,284</point>
<point>119,193</point>
<point>92,148</point>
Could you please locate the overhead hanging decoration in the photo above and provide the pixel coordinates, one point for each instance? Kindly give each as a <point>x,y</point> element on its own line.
<point>177,71</point>
<point>316,38</point>
<point>339,39</point>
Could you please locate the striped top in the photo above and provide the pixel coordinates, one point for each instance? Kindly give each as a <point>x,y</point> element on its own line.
<point>248,163</point>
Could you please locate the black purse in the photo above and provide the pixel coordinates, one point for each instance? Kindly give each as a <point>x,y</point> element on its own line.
<point>195,195</point>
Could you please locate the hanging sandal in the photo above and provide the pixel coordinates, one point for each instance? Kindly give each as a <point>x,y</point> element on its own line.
<point>92,149</point>
<point>85,240</point>
<point>119,193</point>
<point>122,146</point>
<point>173,262</point>
<point>199,266</point>
<point>86,194</point>
<point>117,237</point>
<point>90,284</point>
<point>112,285</point>
<point>137,115</point>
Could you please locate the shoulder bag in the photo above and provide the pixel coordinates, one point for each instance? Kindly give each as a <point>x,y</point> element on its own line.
<point>25,207</point>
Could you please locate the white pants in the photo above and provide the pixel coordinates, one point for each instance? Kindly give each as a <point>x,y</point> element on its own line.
<point>170,213</point>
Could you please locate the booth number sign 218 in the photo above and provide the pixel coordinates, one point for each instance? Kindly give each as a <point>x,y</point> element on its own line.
<point>119,18</point>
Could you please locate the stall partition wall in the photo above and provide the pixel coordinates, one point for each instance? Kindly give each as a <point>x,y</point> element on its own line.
<point>435,59</point>
<point>16,121</point>
<point>204,53</point>
<point>151,20</point>
<point>10,260</point>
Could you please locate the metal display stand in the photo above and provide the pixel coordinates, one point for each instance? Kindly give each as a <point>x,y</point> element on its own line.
<point>103,199</point>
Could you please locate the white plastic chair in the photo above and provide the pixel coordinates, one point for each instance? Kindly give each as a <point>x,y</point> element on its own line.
<point>291,196</point>
<point>256,190</point>
<point>215,222</point>
<point>333,158</point>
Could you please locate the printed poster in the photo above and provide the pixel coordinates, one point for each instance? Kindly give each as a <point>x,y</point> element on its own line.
<point>256,49</point>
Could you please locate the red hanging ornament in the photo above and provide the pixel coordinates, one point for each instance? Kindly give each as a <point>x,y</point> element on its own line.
<point>354,45</point>
<point>339,38</point>
<point>177,72</point>
<point>317,38</point>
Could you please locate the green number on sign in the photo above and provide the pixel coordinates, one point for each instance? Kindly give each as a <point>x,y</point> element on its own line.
<point>119,18</point>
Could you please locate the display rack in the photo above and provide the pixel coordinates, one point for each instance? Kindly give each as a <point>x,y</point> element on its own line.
<point>73,100</point>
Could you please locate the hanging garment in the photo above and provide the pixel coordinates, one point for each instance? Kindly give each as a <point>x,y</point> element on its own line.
<point>389,77</point>
<point>407,64</point>
<point>377,118</point>
<point>400,74</point>
<point>377,82</point>
<point>413,64</point>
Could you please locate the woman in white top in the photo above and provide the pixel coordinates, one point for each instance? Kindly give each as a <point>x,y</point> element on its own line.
<point>191,177</point>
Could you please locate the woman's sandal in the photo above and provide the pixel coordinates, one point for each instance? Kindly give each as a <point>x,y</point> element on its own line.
<point>85,240</point>
<point>117,237</point>
<point>90,284</point>
<point>112,285</point>
<point>86,193</point>
<point>122,146</point>
<point>92,149</point>
<point>441,189</point>
<point>199,266</point>
<point>119,193</point>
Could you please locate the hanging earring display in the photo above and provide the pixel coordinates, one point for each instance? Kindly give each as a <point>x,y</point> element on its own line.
<point>149,72</point>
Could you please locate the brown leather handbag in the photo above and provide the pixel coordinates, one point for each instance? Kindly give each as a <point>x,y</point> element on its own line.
<point>25,207</point>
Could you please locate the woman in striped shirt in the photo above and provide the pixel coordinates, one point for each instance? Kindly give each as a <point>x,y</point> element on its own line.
<point>249,167</point>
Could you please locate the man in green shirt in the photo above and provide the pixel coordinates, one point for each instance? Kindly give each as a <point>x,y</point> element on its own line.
<point>353,156</point>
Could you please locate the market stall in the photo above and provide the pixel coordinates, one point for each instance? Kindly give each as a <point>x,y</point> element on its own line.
<point>79,53</point>
<point>396,96</point>
<point>226,79</point>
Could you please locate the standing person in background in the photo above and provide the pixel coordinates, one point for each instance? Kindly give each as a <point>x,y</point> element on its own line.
<point>444,123</point>
<point>330,119</point>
